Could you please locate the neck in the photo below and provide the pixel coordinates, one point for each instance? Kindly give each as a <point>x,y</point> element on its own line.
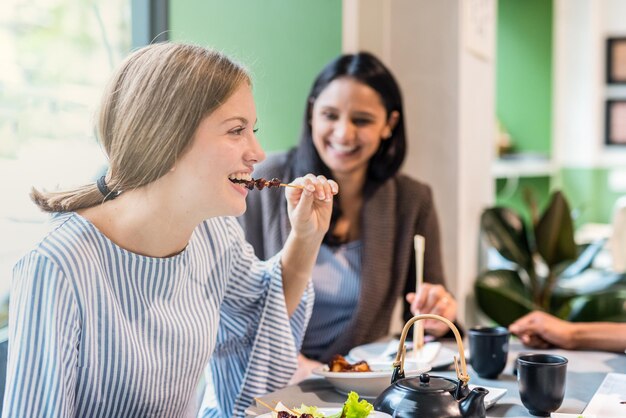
<point>144,222</point>
<point>347,227</point>
<point>351,185</point>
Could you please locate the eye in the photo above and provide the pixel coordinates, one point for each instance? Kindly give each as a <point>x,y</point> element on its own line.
<point>255,130</point>
<point>237,131</point>
<point>361,121</point>
<point>329,116</point>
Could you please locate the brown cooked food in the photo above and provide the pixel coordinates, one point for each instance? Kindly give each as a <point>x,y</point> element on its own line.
<point>340,364</point>
<point>260,184</point>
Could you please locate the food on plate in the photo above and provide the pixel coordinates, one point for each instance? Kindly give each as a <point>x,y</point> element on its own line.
<point>340,364</point>
<point>352,408</point>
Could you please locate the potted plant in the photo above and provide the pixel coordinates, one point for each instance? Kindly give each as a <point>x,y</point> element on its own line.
<point>544,259</point>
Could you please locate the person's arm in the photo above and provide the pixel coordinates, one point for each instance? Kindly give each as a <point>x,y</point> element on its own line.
<point>309,212</point>
<point>540,330</point>
<point>43,342</point>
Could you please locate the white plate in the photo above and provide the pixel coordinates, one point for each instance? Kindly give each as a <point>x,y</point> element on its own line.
<point>371,351</point>
<point>368,384</point>
<point>493,396</point>
<point>330,411</point>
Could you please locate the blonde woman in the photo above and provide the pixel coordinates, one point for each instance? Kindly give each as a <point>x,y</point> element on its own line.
<point>145,277</point>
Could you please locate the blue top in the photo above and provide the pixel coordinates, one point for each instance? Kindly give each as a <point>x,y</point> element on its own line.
<point>99,331</point>
<point>337,283</point>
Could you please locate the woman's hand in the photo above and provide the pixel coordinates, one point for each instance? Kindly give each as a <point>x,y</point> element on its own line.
<point>310,208</point>
<point>433,299</point>
<point>309,213</point>
<point>541,330</point>
<point>304,370</point>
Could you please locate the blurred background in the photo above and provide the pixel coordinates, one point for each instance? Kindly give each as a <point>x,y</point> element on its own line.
<point>506,100</point>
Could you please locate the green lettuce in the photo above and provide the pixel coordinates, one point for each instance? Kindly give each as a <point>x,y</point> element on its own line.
<point>313,410</point>
<point>353,408</point>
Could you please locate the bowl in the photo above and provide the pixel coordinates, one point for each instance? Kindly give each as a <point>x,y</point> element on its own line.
<point>369,384</point>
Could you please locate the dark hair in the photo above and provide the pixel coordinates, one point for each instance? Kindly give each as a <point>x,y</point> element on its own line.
<point>369,70</point>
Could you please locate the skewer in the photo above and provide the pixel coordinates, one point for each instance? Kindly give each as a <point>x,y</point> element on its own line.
<point>418,330</point>
<point>265,405</point>
<point>295,186</point>
<point>274,410</point>
<point>262,183</point>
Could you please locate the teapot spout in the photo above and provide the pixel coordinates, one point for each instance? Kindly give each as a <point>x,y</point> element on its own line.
<point>474,404</point>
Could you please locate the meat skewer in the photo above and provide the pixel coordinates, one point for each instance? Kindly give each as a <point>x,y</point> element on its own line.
<point>283,414</point>
<point>261,183</point>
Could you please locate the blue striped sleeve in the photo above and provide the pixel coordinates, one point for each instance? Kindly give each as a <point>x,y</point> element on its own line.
<point>257,341</point>
<point>43,342</point>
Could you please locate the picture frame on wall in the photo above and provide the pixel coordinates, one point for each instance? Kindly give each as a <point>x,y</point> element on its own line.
<point>616,60</point>
<point>615,122</point>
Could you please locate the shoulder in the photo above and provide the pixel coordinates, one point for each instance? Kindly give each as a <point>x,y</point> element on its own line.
<point>66,241</point>
<point>412,189</point>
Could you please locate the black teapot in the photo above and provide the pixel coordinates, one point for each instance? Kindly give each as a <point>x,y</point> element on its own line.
<point>431,396</point>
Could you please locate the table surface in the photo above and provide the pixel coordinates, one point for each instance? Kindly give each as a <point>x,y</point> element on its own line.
<point>585,372</point>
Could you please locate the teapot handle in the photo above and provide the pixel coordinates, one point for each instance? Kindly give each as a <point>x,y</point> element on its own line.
<point>461,371</point>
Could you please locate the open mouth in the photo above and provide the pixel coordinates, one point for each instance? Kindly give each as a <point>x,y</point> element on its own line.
<point>242,179</point>
<point>343,149</point>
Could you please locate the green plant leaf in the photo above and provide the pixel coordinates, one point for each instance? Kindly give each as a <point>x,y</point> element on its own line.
<point>554,234</point>
<point>506,232</point>
<point>502,296</point>
<point>602,306</point>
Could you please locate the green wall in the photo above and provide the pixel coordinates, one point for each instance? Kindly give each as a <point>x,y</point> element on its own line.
<point>524,106</point>
<point>283,42</point>
<point>524,73</point>
<point>589,193</point>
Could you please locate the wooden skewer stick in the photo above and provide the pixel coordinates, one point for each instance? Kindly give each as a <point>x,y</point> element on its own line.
<point>272,409</point>
<point>295,186</point>
<point>418,329</point>
<point>265,405</point>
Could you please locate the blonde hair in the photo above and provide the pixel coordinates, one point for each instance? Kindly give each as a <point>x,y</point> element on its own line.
<point>148,115</point>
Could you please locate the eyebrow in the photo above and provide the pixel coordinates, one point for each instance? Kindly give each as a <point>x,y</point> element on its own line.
<point>359,113</point>
<point>238,118</point>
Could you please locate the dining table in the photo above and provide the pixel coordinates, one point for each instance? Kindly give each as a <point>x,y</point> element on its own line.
<point>586,371</point>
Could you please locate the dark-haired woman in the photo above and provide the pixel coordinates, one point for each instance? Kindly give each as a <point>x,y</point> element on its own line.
<point>353,131</point>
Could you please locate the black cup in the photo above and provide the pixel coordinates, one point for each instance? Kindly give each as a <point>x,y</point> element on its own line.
<point>541,382</point>
<point>489,348</point>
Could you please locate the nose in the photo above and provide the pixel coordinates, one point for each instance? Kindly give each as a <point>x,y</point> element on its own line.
<point>255,153</point>
<point>344,129</point>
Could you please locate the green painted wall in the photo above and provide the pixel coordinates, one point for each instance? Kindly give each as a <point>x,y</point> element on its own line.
<point>588,193</point>
<point>586,189</point>
<point>283,42</point>
<point>524,92</point>
<point>524,73</point>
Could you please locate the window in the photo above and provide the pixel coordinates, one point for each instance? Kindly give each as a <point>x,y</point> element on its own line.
<point>55,58</point>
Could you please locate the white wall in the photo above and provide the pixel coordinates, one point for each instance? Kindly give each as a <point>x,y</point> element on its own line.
<point>580,31</point>
<point>449,93</point>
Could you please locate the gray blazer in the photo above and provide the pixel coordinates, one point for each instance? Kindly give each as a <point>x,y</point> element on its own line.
<point>398,210</point>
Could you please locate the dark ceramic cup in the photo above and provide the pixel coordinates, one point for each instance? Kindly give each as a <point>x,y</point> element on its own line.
<point>541,382</point>
<point>489,349</point>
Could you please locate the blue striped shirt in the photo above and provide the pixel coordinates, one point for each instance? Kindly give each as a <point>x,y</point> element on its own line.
<point>98,331</point>
<point>337,284</point>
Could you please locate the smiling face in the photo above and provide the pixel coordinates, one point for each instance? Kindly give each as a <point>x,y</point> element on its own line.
<point>348,123</point>
<point>224,147</point>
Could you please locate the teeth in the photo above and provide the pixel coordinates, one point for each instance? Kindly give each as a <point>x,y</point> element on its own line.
<point>343,148</point>
<point>240,176</point>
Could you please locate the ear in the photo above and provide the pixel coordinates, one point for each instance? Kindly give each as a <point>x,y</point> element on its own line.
<point>392,121</point>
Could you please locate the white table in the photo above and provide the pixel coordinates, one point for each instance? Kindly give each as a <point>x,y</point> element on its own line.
<point>585,372</point>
